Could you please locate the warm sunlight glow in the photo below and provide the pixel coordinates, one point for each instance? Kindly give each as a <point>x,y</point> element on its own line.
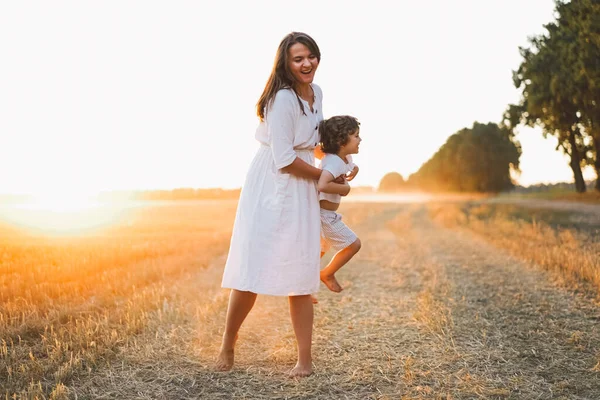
<point>62,214</point>
<point>61,203</point>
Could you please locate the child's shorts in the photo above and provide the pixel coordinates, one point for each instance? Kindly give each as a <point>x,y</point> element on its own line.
<point>334,232</point>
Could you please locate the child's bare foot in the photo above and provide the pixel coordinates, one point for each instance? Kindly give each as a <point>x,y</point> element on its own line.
<point>331,283</point>
<point>301,371</point>
<point>226,355</point>
<point>314,299</point>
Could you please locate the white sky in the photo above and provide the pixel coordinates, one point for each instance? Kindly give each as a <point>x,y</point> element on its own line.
<point>146,95</point>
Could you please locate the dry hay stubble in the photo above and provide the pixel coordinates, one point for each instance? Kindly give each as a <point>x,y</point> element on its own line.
<point>512,322</point>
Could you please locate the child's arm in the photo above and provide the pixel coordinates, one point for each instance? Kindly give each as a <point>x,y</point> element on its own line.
<point>354,167</point>
<point>326,184</point>
<point>352,173</point>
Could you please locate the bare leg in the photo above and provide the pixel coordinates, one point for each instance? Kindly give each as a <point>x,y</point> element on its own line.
<point>312,296</point>
<point>301,311</point>
<point>337,262</point>
<point>240,304</point>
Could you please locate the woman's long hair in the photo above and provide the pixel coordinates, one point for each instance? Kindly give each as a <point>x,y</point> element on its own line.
<point>281,77</point>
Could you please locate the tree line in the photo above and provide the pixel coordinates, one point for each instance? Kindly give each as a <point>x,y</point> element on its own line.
<point>559,81</point>
<point>477,159</point>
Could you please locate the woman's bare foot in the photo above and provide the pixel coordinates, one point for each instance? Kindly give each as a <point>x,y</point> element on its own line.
<point>314,299</point>
<point>331,283</point>
<point>301,371</point>
<point>224,360</point>
<point>226,355</point>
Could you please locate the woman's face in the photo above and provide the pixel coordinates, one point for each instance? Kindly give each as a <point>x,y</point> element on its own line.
<point>302,63</point>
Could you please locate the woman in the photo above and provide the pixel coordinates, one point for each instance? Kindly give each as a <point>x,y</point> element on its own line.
<point>275,243</point>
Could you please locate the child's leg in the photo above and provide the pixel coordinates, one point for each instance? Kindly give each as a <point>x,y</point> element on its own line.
<point>240,304</point>
<point>338,261</point>
<point>301,311</point>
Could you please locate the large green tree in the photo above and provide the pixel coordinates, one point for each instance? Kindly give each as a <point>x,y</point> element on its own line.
<point>579,23</point>
<point>559,79</point>
<point>546,86</point>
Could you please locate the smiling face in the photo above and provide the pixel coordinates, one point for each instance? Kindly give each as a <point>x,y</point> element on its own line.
<point>295,65</point>
<point>302,63</point>
<point>351,146</point>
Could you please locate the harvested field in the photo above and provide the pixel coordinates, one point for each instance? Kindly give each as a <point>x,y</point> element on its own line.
<point>439,304</point>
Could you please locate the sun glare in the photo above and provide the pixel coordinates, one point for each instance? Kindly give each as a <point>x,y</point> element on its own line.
<point>63,203</point>
<point>63,214</point>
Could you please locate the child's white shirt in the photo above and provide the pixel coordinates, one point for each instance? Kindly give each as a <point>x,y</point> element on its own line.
<point>334,164</point>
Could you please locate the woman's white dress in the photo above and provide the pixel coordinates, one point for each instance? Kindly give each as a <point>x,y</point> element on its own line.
<point>275,242</point>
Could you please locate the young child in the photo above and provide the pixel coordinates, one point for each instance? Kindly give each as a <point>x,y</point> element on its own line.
<point>339,139</point>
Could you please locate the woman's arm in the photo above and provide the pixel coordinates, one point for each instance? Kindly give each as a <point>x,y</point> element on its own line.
<point>302,169</point>
<point>326,184</point>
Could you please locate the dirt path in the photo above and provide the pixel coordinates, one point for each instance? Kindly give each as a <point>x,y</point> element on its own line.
<point>511,328</point>
<point>427,313</point>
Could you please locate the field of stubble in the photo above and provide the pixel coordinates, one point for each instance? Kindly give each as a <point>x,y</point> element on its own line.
<point>444,301</point>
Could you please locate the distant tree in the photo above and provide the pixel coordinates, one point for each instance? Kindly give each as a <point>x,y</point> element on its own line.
<point>391,182</point>
<point>477,159</point>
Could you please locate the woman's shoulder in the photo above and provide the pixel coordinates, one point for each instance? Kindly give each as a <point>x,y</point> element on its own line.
<point>317,90</point>
<point>284,100</point>
<point>285,94</point>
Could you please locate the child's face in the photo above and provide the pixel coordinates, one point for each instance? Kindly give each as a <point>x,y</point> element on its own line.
<point>351,146</point>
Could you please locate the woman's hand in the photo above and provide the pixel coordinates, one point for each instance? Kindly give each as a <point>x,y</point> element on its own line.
<point>340,179</point>
<point>327,184</point>
<point>352,173</point>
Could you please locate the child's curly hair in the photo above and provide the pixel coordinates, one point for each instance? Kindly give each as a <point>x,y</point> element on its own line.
<point>335,132</point>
